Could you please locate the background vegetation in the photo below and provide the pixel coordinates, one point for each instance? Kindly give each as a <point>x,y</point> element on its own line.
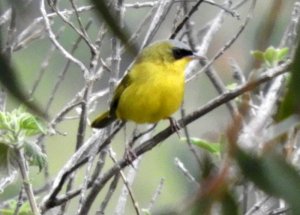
<point>237,151</point>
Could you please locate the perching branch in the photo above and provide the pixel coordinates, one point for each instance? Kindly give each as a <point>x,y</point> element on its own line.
<point>53,200</point>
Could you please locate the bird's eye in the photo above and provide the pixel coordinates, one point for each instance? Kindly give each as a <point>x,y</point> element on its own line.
<point>179,53</point>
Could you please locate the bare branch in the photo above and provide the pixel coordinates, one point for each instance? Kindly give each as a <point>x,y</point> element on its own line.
<point>57,44</point>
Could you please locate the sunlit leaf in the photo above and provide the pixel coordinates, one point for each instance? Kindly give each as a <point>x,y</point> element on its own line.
<point>31,125</point>
<point>20,120</point>
<point>259,55</point>
<point>281,53</point>
<point>211,147</point>
<point>146,211</point>
<point>273,175</point>
<point>270,55</point>
<point>231,86</point>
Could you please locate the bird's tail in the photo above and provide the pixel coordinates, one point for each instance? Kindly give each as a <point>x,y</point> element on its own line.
<point>103,120</point>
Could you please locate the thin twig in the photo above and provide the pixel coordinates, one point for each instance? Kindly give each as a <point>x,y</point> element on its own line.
<point>159,17</point>
<point>132,172</point>
<point>202,51</point>
<point>45,64</point>
<point>5,16</point>
<point>186,173</point>
<point>257,206</point>
<point>185,19</point>
<point>82,28</point>
<point>136,136</point>
<point>81,33</point>
<point>11,32</point>
<point>156,194</point>
<point>19,201</point>
<point>187,135</point>
<point>139,29</point>
<point>280,211</point>
<point>80,136</point>
<point>260,122</point>
<point>23,166</point>
<point>127,184</point>
<point>228,44</point>
<point>51,35</point>
<point>76,161</point>
<point>64,71</point>
<point>88,176</point>
<point>111,189</point>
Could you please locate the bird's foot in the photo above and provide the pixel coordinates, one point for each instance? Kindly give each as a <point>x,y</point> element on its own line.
<point>130,155</point>
<point>174,125</point>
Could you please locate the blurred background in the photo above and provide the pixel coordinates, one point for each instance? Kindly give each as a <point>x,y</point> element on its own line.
<point>39,58</point>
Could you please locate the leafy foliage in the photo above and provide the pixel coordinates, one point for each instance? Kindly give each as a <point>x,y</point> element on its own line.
<point>7,166</point>
<point>23,210</point>
<point>229,204</point>
<point>272,174</point>
<point>271,57</point>
<point>34,155</point>
<point>291,102</point>
<point>16,128</point>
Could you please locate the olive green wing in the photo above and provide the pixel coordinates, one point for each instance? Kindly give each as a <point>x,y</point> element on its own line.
<point>108,117</point>
<point>126,81</point>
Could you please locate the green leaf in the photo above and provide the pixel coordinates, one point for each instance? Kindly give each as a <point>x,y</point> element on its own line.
<point>146,211</point>
<point>30,125</point>
<point>281,53</point>
<point>4,160</point>
<point>23,210</point>
<point>231,86</point>
<point>214,148</point>
<point>291,101</point>
<point>7,169</point>
<point>259,55</point>
<point>21,122</point>
<point>270,55</point>
<point>273,175</point>
<point>229,204</point>
<point>34,155</point>
<point>4,121</point>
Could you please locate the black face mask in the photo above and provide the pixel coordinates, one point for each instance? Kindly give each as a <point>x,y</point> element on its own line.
<point>179,53</point>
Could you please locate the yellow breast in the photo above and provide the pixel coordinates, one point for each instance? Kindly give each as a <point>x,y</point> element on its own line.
<point>155,93</point>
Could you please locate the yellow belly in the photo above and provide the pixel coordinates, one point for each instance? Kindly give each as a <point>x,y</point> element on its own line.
<point>152,99</point>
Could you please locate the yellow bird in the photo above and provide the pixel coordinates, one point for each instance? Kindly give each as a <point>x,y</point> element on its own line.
<point>153,88</point>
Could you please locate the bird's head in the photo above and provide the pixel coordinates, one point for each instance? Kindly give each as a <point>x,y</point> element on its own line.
<point>167,52</point>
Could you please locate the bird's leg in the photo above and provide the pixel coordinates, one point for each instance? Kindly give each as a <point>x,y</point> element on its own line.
<point>174,125</point>
<point>129,155</point>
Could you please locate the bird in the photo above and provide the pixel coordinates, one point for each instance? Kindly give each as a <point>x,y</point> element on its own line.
<point>153,88</point>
